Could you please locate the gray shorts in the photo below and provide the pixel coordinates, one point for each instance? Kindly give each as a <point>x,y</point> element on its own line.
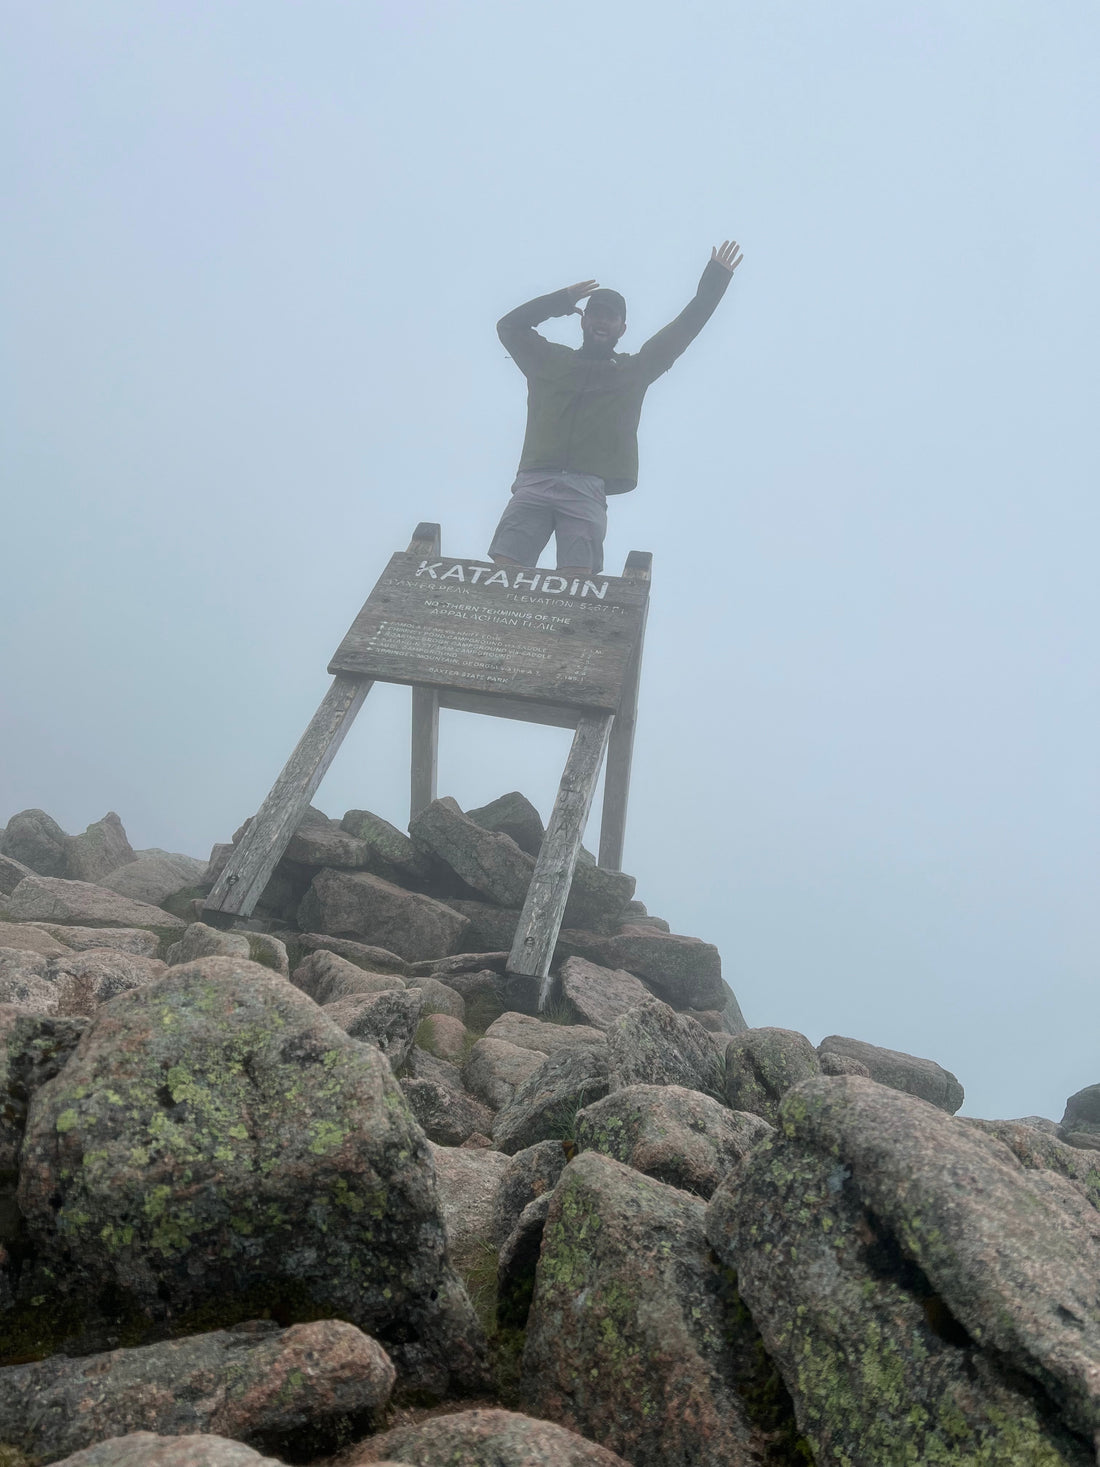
<point>571,506</point>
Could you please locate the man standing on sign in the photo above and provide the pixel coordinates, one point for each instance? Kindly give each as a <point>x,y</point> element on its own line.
<point>583,408</point>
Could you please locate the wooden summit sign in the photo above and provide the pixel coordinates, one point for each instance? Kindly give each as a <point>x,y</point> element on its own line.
<point>510,642</point>
<point>465,626</point>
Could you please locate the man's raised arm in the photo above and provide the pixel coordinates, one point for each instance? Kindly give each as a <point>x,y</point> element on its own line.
<point>660,351</point>
<point>517,329</point>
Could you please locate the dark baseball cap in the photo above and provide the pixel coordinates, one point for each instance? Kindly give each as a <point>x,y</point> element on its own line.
<point>610,298</point>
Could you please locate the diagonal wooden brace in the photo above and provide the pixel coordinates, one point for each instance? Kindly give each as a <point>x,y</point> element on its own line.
<point>541,918</point>
<point>249,868</point>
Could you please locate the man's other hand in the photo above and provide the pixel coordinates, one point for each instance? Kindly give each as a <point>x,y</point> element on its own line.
<point>577,293</point>
<point>728,255</point>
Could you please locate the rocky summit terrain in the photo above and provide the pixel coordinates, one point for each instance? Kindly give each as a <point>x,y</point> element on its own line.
<point>325,1186</point>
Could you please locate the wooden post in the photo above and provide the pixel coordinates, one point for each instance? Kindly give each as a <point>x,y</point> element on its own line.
<point>426,541</point>
<point>616,786</point>
<point>425,748</point>
<point>238,888</point>
<point>540,920</point>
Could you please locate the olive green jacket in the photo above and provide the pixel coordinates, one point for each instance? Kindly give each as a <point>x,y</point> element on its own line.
<point>583,409</point>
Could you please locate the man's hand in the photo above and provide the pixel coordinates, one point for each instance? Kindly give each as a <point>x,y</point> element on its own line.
<point>728,255</point>
<point>577,293</point>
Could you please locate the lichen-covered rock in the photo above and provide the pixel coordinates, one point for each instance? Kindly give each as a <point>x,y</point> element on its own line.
<point>449,1117</point>
<point>600,995</point>
<point>217,1143</point>
<point>491,864</point>
<point>654,1045</point>
<point>494,1069</point>
<point>36,840</point>
<point>491,928</point>
<point>441,998</point>
<point>154,876</point>
<point>486,1438</point>
<point>468,1182</point>
<point>842,1064</point>
<point>390,853</point>
<point>676,1135</point>
<point>136,940</point>
<point>682,970</point>
<point>147,1449</point>
<point>201,941</point>
<point>1043,1151</point>
<point>733,1020</point>
<point>1014,1254</point>
<point>29,937</point>
<point>481,991</point>
<point>82,904</point>
<point>517,1263</point>
<point>33,1048</point>
<point>905,1072</point>
<point>365,908</point>
<point>513,815</point>
<point>302,1388</point>
<point>102,848</point>
<point>421,1065</point>
<point>327,977</point>
<point>544,1107</point>
<point>443,1035</point>
<point>1038,1123</point>
<point>361,954</point>
<point>12,873</point>
<point>323,842</point>
<point>527,1032</point>
<point>84,980</point>
<point>627,1335</point>
<point>762,1065</point>
<point>879,1369</point>
<point>25,982</point>
<point>1080,1124</point>
<point>530,1174</point>
<point>597,895</point>
<point>387,1020</point>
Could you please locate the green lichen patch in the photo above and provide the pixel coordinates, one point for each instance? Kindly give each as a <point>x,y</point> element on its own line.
<point>626,1338</point>
<point>877,1368</point>
<point>218,1143</point>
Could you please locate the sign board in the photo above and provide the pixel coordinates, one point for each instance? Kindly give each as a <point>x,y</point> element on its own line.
<point>469,626</point>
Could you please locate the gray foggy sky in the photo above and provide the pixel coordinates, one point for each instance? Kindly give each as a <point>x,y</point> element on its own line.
<point>253,258</point>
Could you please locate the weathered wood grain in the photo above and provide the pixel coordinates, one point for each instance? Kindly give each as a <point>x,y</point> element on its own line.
<point>620,748</point>
<point>471,627</point>
<point>238,888</point>
<point>540,920</point>
<point>425,749</point>
<point>494,707</point>
<point>426,541</point>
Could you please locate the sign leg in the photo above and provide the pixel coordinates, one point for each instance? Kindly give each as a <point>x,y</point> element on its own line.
<point>238,888</point>
<point>540,920</point>
<point>425,748</point>
<point>616,786</point>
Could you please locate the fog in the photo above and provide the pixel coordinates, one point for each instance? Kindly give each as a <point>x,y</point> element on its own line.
<point>253,261</point>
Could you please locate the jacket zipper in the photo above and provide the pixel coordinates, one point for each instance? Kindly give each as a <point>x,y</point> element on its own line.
<point>573,418</point>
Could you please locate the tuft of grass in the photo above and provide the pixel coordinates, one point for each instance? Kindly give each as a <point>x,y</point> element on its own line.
<point>559,1010</point>
<point>715,1083</point>
<point>478,1270</point>
<point>562,1120</point>
<point>471,1038</point>
<point>13,1457</point>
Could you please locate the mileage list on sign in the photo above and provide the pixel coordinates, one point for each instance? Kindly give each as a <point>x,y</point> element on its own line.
<point>524,634</point>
